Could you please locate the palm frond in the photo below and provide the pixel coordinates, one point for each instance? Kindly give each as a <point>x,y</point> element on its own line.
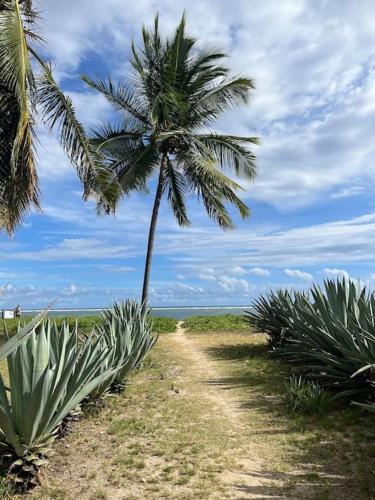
<point>232,151</point>
<point>18,176</point>
<point>19,181</point>
<point>175,184</point>
<point>111,139</point>
<point>58,113</point>
<point>213,187</point>
<point>225,95</point>
<point>120,96</point>
<point>136,167</point>
<point>15,70</point>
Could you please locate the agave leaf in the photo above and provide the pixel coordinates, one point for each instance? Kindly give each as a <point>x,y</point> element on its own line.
<point>12,344</point>
<point>7,423</point>
<point>363,369</point>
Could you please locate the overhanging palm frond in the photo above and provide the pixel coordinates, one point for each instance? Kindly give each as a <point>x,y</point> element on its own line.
<point>19,181</point>
<point>15,70</point>
<point>58,113</point>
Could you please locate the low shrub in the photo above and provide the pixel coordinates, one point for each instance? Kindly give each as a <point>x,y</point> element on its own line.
<point>307,397</point>
<point>224,322</point>
<point>52,368</point>
<point>330,335</point>
<point>126,331</point>
<point>163,324</point>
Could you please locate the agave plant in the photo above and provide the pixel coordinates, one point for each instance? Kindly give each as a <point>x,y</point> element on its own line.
<point>273,314</point>
<point>333,337</point>
<point>49,375</point>
<point>126,330</point>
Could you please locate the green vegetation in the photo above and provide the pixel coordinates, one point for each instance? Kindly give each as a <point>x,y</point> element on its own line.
<point>329,335</point>
<point>272,313</point>
<point>164,325</point>
<point>154,442</point>
<point>176,91</point>
<point>28,95</point>
<point>307,396</point>
<point>86,324</point>
<point>49,375</point>
<point>225,322</point>
<point>55,369</point>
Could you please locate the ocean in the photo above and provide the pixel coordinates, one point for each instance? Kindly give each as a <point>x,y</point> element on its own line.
<point>171,312</point>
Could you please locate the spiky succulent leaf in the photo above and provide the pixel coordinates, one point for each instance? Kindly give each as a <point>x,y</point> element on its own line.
<point>126,330</point>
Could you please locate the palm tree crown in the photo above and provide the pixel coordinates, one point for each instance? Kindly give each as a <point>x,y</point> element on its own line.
<point>174,95</point>
<point>22,94</point>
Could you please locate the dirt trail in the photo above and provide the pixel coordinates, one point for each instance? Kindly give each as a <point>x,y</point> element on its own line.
<point>205,372</point>
<point>246,476</point>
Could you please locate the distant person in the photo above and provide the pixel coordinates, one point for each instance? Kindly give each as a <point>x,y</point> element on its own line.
<point>17,311</point>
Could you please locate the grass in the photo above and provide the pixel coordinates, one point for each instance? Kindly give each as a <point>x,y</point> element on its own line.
<point>87,323</point>
<point>164,325</point>
<point>223,323</point>
<point>165,437</point>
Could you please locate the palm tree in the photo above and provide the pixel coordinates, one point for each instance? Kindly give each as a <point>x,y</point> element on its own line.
<point>175,93</point>
<point>23,95</point>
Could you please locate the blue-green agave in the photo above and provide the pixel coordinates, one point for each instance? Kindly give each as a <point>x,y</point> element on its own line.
<point>126,330</point>
<point>50,373</point>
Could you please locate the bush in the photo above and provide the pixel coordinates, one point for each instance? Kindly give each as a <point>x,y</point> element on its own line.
<point>306,396</point>
<point>331,335</point>
<point>53,368</point>
<point>126,331</point>
<point>224,322</point>
<point>164,325</point>
<point>50,373</point>
<point>272,314</point>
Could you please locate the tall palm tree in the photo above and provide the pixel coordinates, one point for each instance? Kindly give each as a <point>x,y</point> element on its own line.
<point>25,92</point>
<point>173,96</point>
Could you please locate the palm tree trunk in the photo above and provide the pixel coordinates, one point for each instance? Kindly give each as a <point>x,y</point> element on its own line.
<point>151,235</point>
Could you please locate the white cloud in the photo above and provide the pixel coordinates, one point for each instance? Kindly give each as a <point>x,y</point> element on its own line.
<point>259,271</point>
<point>207,277</point>
<point>337,273</point>
<point>232,284</point>
<point>348,192</point>
<point>296,273</point>
<point>313,67</point>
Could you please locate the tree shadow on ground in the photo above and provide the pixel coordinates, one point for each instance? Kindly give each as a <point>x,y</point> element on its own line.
<point>237,352</point>
<point>330,454</point>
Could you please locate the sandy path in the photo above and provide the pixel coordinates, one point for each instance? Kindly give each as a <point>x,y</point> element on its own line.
<point>245,477</point>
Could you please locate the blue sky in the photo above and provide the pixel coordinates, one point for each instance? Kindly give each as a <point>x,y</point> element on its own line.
<point>313,209</point>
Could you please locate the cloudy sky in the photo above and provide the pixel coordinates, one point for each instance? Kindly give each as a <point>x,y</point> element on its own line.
<point>313,210</point>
